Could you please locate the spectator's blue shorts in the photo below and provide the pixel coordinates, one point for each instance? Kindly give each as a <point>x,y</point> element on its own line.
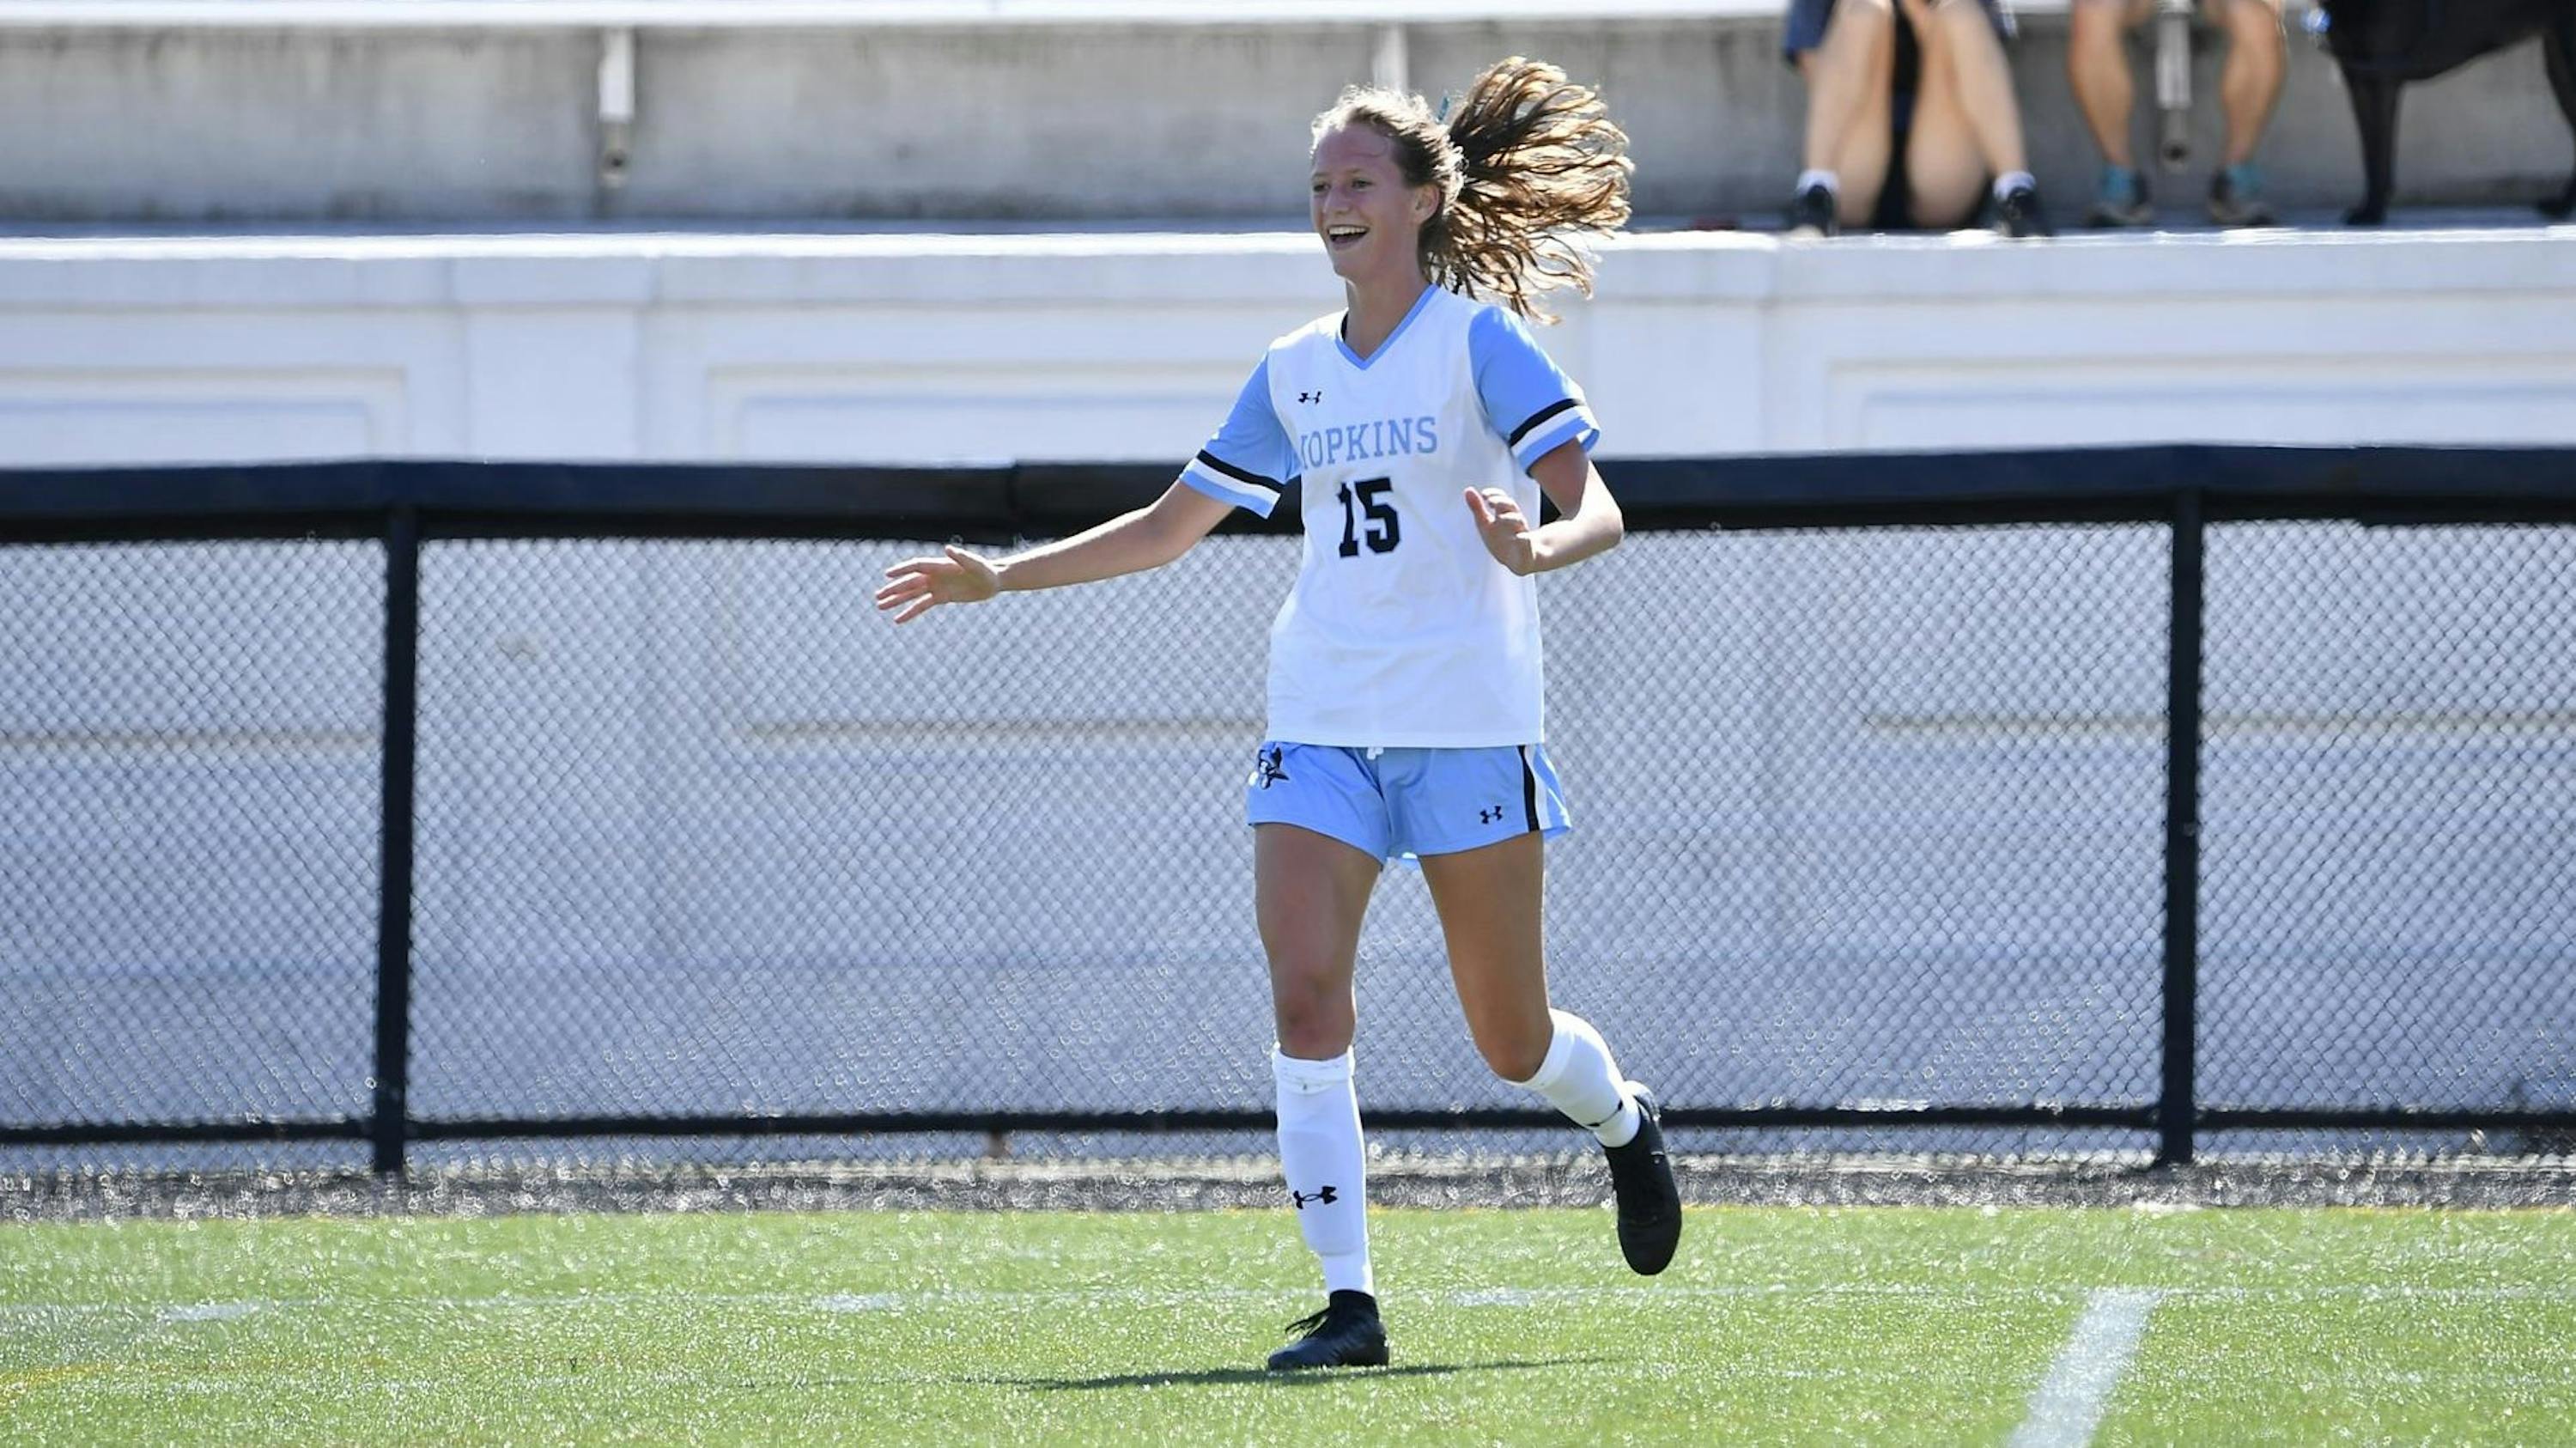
<point>1402,803</point>
<point>1808,19</point>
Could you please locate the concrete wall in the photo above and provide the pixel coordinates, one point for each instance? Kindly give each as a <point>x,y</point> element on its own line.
<point>943,349</point>
<point>191,126</point>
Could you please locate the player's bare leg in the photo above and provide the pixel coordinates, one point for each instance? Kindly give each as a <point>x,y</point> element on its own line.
<point>1310,892</point>
<point>1490,913</point>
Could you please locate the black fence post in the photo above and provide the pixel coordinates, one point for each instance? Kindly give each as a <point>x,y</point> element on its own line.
<point>2177,1111</point>
<point>392,1125</point>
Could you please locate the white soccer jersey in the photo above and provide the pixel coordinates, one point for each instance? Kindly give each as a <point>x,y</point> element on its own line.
<point>1402,631</point>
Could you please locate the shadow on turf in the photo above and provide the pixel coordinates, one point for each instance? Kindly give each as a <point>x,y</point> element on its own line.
<point>1219,1376</point>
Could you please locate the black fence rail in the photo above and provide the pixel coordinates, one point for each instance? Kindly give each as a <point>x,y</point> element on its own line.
<point>2149,791</point>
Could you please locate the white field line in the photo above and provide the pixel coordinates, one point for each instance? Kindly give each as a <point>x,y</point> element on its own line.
<point>15,1313</point>
<point>208,1311</point>
<point>861,1302</point>
<point>847,1302</point>
<point>2069,1403</point>
<point>850,1302</point>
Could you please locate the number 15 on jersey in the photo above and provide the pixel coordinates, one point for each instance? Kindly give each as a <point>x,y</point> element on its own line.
<point>1366,497</point>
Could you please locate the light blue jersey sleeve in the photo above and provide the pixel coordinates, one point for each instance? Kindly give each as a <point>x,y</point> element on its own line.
<point>1534,408</point>
<point>1250,459</point>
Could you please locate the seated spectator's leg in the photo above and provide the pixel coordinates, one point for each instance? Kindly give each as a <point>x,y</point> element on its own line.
<point>1945,173</point>
<point>2248,89</point>
<point>1966,87</point>
<point>1848,78</point>
<point>2097,67</point>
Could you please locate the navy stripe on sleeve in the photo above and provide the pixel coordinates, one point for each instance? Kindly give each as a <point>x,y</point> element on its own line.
<point>1238,474</point>
<point>1522,431</point>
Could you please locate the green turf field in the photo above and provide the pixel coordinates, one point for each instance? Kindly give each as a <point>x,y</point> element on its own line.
<point>1860,1325</point>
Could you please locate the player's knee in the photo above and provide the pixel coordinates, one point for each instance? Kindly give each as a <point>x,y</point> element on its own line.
<point>1313,1019</point>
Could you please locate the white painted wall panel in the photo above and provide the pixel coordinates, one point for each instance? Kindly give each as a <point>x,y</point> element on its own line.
<point>948,349</point>
<point>153,416</point>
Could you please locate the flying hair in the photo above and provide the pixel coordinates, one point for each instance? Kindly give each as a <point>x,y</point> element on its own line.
<point>1530,168</point>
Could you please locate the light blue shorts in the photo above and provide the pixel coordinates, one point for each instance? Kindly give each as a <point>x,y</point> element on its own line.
<point>1403,803</point>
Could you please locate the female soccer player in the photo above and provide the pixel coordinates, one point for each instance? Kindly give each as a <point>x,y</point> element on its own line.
<point>1405,716</point>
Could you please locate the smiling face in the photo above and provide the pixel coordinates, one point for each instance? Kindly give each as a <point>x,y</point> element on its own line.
<point>1370,221</point>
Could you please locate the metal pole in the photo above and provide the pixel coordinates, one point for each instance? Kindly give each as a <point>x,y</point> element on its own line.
<point>392,1127</point>
<point>2173,83</point>
<point>2178,1109</point>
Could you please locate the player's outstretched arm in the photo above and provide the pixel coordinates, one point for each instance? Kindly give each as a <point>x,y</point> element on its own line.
<point>1588,519</point>
<point>1149,537</point>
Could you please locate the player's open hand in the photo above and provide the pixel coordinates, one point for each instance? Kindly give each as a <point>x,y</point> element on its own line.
<point>1505,528</point>
<point>921,584</point>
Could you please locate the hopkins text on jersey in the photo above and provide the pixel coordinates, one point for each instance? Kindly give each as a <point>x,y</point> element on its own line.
<point>1363,441</point>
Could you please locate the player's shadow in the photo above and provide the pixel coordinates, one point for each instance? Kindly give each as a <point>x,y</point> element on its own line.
<point>1219,1376</point>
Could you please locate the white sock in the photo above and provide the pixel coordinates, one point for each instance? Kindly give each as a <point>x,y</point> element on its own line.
<point>1319,1152</point>
<point>1579,1078</point>
<point>1832,183</point>
<point>2012,181</point>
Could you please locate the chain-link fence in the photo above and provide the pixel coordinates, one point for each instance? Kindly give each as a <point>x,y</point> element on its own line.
<point>1880,828</point>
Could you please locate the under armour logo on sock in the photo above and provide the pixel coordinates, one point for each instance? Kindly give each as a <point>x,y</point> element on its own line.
<point>1325,1196</point>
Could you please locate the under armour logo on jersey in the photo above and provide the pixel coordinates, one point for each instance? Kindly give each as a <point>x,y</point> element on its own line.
<point>1268,767</point>
<point>1325,1196</point>
<point>1490,816</point>
<point>1315,396</point>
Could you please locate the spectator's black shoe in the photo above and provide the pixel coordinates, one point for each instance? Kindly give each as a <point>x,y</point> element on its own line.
<point>1346,1334</point>
<point>2017,213</point>
<point>1811,213</point>
<point>1650,1205</point>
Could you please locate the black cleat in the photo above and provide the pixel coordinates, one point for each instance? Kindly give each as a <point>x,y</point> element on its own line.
<point>1812,213</point>
<point>1346,1334</point>
<point>1650,1205</point>
<point>2017,213</point>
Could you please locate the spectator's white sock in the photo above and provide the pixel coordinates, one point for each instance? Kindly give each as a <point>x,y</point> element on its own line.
<point>2012,181</point>
<point>1579,1078</point>
<point>1832,183</point>
<point>1319,1152</point>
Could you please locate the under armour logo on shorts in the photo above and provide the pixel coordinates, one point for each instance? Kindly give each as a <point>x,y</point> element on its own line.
<point>1269,767</point>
